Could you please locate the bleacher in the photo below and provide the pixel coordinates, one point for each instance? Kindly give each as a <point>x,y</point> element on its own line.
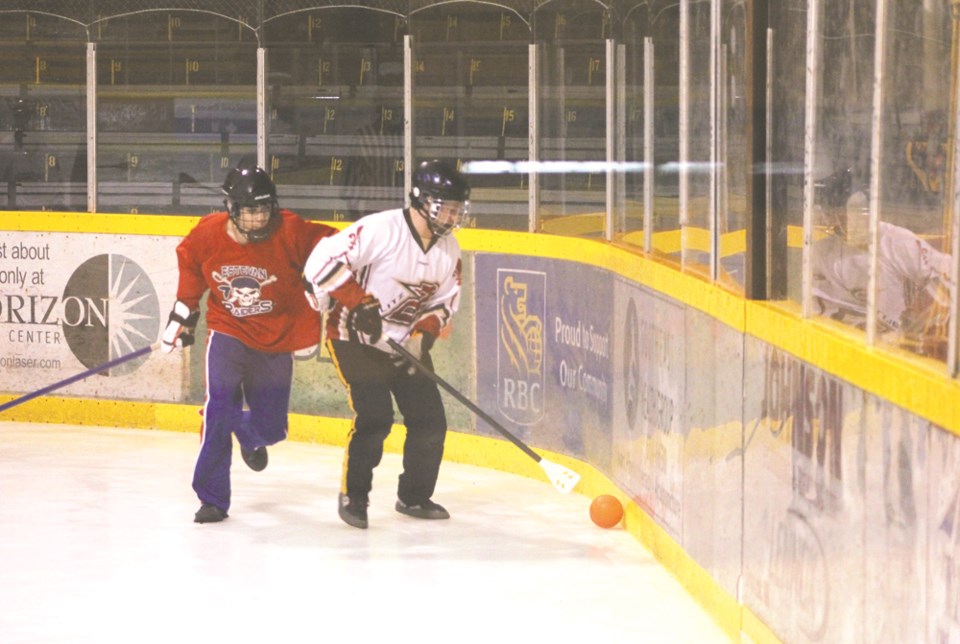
<point>176,109</point>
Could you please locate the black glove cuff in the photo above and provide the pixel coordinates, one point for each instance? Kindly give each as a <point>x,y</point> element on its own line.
<point>427,342</point>
<point>188,322</point>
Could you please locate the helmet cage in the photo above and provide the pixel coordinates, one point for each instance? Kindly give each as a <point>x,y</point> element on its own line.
<point>433,208</point>
<point>255,234</point>
<point>251,188</point>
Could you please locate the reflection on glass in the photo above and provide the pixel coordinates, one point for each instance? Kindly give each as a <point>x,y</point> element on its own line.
<point>636,29</point>
<point>914,214</point>
<point>176,108</point>
<point>470,103</point>
<point>732,197</point>
<point>43,151</point>
<point>177,105</point>
<point>843,112</point>
<point>695,221</point>
<point>913,276</point>
<point>572,124</point>
<point>665,28</point>
<point>336,111</point>
<point>912,265</point>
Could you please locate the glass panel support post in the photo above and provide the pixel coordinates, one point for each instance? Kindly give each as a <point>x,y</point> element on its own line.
<point>91,127</point>
<point>811,98</point>
<point>611,135</point>
<point>407,117</point>
<point>649,171</point>
<point>876,145</point>
<point>533,141</point>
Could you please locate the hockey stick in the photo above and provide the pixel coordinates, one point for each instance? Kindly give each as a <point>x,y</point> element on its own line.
<point>80,376</point>
<point>562,478</point>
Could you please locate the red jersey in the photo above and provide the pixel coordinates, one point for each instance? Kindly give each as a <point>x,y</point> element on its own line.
<point>256,289</point>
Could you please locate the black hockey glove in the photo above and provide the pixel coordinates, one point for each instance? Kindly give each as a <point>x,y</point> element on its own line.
<point>365,318</point>
<point>180,327</point>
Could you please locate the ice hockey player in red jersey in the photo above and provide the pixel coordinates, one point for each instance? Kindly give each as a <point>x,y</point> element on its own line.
<point>393,274</point>
<point>250,259</point>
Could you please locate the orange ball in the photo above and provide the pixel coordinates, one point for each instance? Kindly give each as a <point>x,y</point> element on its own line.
<point>606,511</point>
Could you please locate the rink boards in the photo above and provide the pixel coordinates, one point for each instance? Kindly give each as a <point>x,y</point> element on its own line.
<point>798,484</point>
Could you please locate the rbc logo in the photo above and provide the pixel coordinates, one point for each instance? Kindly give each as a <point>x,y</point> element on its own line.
<point>521,309</point>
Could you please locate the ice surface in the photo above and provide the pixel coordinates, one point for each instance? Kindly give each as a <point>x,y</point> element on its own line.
<point>98,544</point>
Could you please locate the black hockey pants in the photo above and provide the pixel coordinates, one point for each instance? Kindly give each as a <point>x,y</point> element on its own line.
<point>374,381</point>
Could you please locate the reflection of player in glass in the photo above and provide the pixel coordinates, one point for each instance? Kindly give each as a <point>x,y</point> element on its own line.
<point>249,259</point>
<point>913,277</point>
<point>375,164</point>
<point>393,275</point>
<point>926,154</point>
<point>21,118</point>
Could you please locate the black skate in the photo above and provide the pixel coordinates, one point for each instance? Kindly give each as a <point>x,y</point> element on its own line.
<point>209,513</point>
<point>256,459</point>
<point>424,510</point>
<point>353,511</point>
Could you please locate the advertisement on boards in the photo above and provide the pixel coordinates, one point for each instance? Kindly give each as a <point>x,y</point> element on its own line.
<point>543,351</point>
<point>70,302</point>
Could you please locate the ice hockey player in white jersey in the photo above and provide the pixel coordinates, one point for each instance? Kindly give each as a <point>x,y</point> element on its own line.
<point>912,276</point>
<point>393,274</point>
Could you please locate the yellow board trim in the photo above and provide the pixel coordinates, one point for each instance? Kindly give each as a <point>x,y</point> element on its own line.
<point>117,224</point>
<point>914,383</point>
<point>918,385</point>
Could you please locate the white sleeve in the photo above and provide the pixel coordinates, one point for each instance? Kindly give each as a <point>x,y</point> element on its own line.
<point>332,261</point>
<point>915,259</point>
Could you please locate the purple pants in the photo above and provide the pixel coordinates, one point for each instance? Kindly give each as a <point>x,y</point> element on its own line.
<point>237,373</point>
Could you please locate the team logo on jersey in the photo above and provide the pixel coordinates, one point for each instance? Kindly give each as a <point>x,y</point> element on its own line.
<point>110,309</point>
<point>521,310</point>
<point>241,288</point>
<point>406,311</point>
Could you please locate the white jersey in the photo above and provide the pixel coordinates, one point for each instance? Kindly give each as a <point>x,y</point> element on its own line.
<point>907,267</point>
<point>381,255</point>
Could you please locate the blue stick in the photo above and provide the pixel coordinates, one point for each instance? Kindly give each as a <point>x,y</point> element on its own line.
<point>80,376</point>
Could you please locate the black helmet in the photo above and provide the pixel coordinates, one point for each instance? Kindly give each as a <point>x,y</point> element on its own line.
<point>839,206</point>
<point>833,191</point>
<point>251,187</point>
<point>436,182</point>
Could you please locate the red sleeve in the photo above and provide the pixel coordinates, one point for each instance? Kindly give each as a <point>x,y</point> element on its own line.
<point>192,285</point>
<point>429,325</point>
<point>350,294</point>
<point>307,234</point>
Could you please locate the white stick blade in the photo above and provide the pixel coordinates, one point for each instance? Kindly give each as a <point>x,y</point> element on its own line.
<point>562,478</point>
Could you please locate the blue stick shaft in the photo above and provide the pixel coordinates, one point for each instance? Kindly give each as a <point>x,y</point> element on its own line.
<point>79,376</point>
